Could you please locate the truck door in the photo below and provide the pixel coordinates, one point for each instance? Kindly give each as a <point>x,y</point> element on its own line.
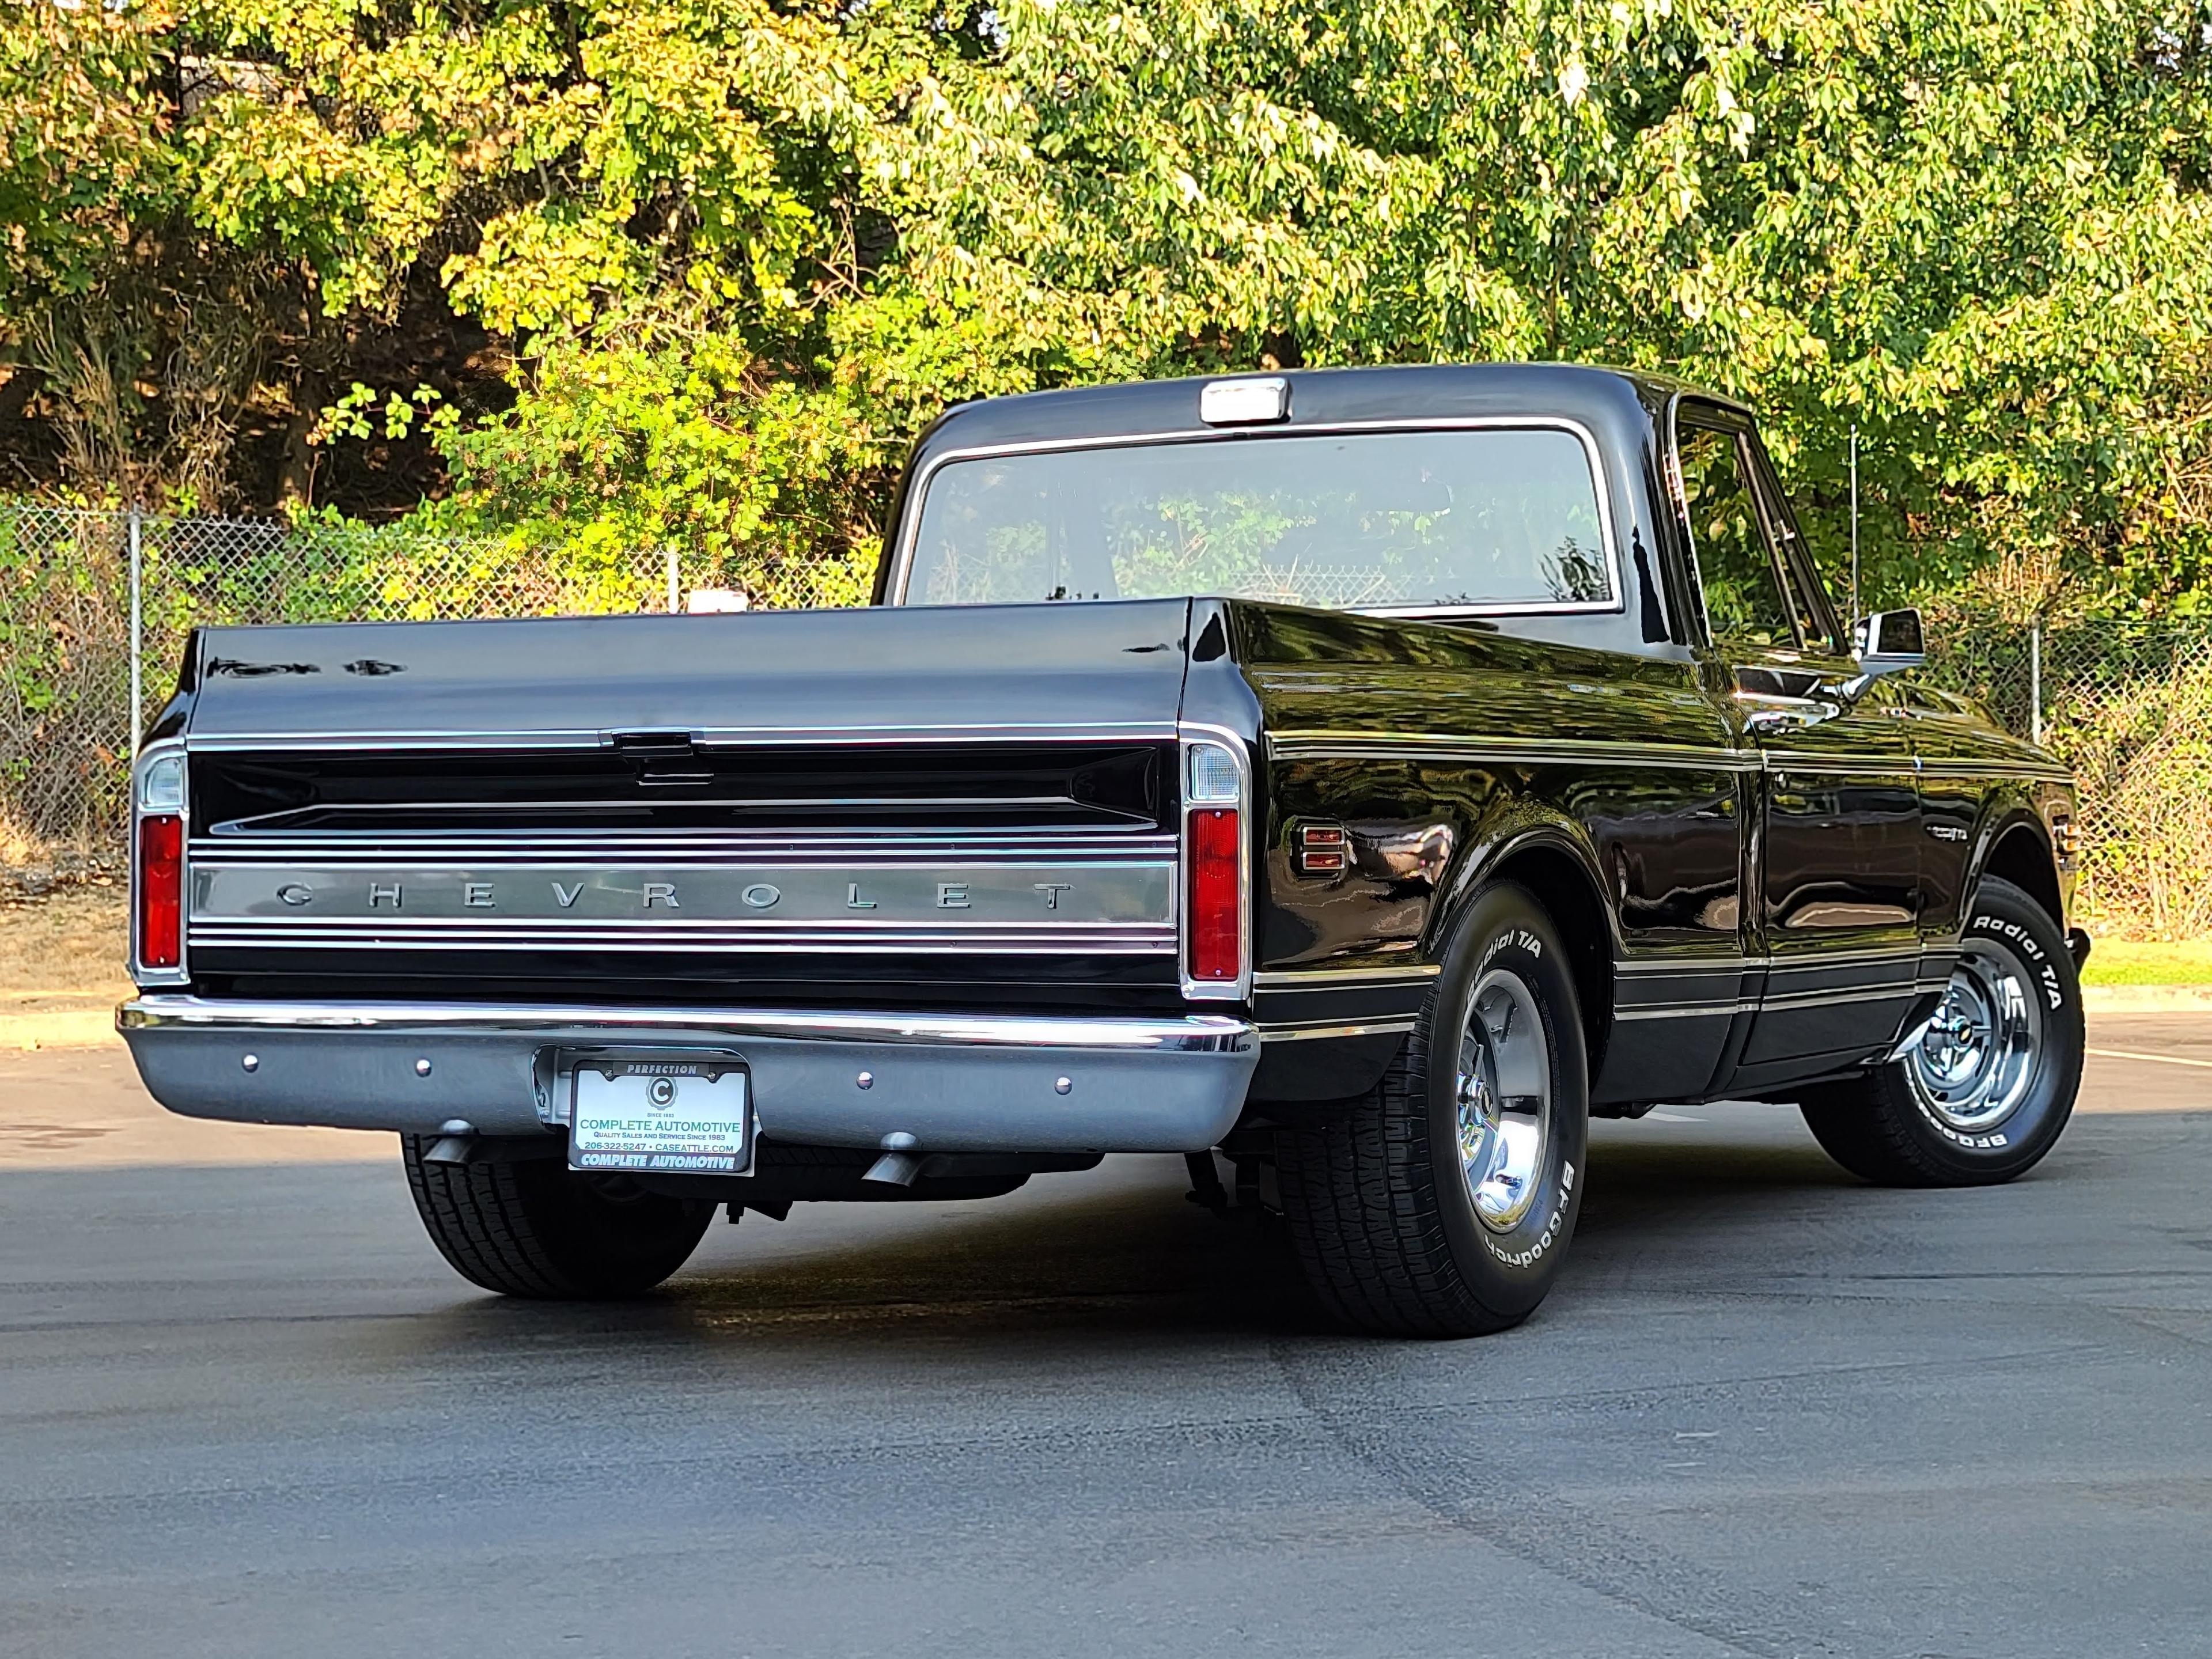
<point>1835,861</point>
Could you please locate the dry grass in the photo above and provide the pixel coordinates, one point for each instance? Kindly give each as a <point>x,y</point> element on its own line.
<point>65,947</point>
<point>2149,962</point>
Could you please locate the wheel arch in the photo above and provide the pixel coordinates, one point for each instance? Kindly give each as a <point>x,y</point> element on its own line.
<point>2021,853</point>
<point>1555,866</point>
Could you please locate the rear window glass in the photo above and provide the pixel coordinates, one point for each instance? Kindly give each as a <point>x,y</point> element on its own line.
<point>1499,518</point>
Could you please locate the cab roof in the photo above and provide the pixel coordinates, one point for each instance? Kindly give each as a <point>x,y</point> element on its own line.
<point>1326,396</point>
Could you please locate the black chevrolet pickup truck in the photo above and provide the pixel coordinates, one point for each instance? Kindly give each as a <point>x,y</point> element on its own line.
<point>1363,777</point>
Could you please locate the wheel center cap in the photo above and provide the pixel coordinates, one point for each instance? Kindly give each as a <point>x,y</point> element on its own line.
<point>1477,1112</point>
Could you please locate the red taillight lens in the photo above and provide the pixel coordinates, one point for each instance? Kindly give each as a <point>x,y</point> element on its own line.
<point>161,890</point>
<point>1217,940</point>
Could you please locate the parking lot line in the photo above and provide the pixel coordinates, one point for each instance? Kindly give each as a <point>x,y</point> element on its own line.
<point>2156,1059</point>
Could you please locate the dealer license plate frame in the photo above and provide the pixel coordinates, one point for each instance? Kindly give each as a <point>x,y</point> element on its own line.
<point>617,1108</point>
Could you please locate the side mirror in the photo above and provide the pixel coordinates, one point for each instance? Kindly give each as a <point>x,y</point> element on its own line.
<point>1889,641</point>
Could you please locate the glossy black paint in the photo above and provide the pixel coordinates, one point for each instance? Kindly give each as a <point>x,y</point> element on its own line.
<point>1447,750</point>
<point>1839,886</point>
<point>1751,904</point>
<point>1774,902</point>
<point>679,785</point>
<point>844,675</point>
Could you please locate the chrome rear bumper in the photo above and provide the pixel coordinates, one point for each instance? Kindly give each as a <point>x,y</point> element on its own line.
<point>954,1082</point>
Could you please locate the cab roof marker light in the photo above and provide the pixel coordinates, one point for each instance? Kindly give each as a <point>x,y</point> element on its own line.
<point>1251,401</point>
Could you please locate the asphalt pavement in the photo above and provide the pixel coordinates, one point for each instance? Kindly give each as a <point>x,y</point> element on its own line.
<point>245,1411</point>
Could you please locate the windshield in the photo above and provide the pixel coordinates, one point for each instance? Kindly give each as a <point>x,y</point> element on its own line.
<point>1495,518</point>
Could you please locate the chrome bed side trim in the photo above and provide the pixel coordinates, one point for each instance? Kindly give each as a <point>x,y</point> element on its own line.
<point>1307,1031</point>
<point>1330,979</point>
<point>1322,744</point>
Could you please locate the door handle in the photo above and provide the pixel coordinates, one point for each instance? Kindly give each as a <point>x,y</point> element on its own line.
<point>1794,714</point>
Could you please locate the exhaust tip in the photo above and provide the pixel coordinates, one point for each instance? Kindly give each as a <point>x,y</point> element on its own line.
<point>894,1169</point>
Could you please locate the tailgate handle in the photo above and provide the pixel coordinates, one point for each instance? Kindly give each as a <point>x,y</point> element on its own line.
<point>649,743</point>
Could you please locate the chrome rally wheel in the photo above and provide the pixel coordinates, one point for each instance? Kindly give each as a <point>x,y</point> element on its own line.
<point>1441,1202</point>
<point>1976,1059</point>
<point>1986,1086</point>
<point>1503,1097</point>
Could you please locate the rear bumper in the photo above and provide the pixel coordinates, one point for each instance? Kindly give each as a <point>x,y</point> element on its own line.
<point>954,1082</point>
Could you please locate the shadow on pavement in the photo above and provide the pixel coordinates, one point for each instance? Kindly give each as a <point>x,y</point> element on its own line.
<point>1136,1258</point>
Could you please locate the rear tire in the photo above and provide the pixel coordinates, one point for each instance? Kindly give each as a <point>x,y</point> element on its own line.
<point>539,1229</point>
<point>1988,1090</point>
<point>1440,1203</point>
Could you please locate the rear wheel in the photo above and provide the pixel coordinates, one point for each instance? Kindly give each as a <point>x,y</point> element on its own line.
<point>540,1229</point>
<point>1440,1203</point>
<point>1985,1092</point>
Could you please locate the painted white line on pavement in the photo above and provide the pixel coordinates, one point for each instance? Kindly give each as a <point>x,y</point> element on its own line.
<point>2157,1060</point>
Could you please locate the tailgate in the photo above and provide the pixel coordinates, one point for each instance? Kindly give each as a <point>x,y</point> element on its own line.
<point>960,802</point>
<point>807,675</point>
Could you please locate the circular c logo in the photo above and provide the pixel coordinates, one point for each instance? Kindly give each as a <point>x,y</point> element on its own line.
<point>661,1093</point>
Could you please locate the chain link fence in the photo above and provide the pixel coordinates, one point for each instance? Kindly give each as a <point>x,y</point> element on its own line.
<point>2128,706</point>
<point>94,608</point>
<point>64,682</point>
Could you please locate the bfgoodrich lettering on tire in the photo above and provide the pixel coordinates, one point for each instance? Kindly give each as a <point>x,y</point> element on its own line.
<point>1441,1202</point>
<point>1989,1086</point>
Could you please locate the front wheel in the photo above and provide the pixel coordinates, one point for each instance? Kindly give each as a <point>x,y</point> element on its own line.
<point>1440,1203</point>
<point>1990,1085</point>
<point>540,1229</point>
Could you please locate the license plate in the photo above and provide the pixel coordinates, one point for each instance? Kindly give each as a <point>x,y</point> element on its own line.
<point>674,1116</point>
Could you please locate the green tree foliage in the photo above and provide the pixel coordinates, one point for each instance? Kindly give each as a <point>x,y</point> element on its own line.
<point>82,158</point>
<point>643,270</point>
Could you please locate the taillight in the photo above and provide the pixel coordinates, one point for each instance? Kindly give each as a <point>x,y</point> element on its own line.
<point>160,889</point>
<point>1217,934</point>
